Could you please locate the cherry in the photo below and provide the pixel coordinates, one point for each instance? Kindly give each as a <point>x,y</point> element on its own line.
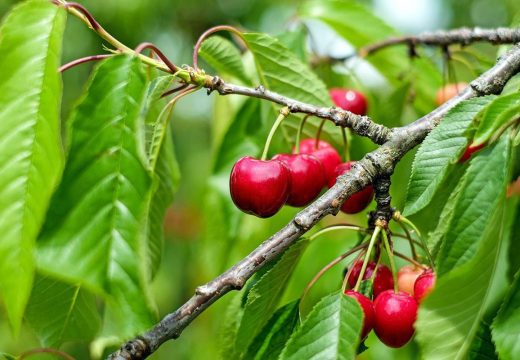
<point>449,91</point>
<point>358,201</point>
<point>350,100</point>
<point>395,314</point>
<point>424,285</point>
<point>382,281</point>
<point>259,187</point>
<point>307,177</point>
<point>324,152</point>
<point>407,276</point>
<point>469,151</point>
<point>368,311</point>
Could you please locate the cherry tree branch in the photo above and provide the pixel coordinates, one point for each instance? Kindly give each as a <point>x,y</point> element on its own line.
<point>463,36</point>
<point>361,125</point>
<point>377,164</point>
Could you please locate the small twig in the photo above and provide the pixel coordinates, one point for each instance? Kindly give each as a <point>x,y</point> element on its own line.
<point>83,60</point>
<point>462,36</point>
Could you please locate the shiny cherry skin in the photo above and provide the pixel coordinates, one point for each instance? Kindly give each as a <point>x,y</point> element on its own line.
<point>424,285</point>
<point>259,187</point>
<point>382,281</point>
<point>350,100</point>
<point>368,311</point>
<point>307,177</point>
<point>470,150</point>
<point>358,201</point>
<point>395,314</point>
<point>324,152</point>
<point>449,91</point>
<point>406,278</point>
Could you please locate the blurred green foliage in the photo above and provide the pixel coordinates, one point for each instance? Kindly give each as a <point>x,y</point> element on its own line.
<point>193,254</point>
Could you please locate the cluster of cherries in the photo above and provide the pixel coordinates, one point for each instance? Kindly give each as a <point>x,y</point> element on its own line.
<point>262,187</point>
<point>391,314</point>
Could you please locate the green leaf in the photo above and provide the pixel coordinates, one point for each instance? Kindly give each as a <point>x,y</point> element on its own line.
<point>446,216</point>
<point>281,71</point>
<point>5,356</point>
<point>162,163</point>
<point>331,331</point>
<point>224,57</point>
<point>266,293</point>
<point>498,113</point>
<point>166,181</point>
<point>439,152</point>
<point>482,346</point>
<point>359,26</point>
<point>449,318</point>
<point>31,157</point>
<point>506,326</point>
<point>94,229</point>
<point>60,312</point>
<point>296,41</point>
<point>485,183</point>
<point>270,342</point>
<point>230,326</point>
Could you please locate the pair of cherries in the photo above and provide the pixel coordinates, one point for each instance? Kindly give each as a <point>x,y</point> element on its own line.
<point>262,187</point>
<point>392,314</point>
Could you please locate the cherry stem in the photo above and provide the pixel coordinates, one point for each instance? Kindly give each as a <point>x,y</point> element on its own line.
<point>164,120</point>
<point>337,227</point>
<point>391,260</point>
<point>147,45</point>
<point>299,133</point>
<point>410,260</point>
<point>82,13</point>
<point>83,60</point>
<point>415,242</point>
<point>318,134</point>
<point>32,352</point>
<point>375,234</point>
<point>284,112</point>
<point>400,218</point>
<point>409,237</point>
<point>349,272</point>
<point>328,267</point>
<point>174,90</point>
<point>207,33</point>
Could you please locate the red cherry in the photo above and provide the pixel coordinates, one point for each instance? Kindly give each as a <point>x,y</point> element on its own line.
<point>350,100</point>
<point>395,314</point>
<point>358,201</point>
<point>368,311</point>
<point>259,187</point>
<point>383,280</point>
<point>406,277</point>
<point>424,285</point>
<point>449,91</point>
<point>307,178</point>
<point>325,153</point>
<point>469,151</point>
